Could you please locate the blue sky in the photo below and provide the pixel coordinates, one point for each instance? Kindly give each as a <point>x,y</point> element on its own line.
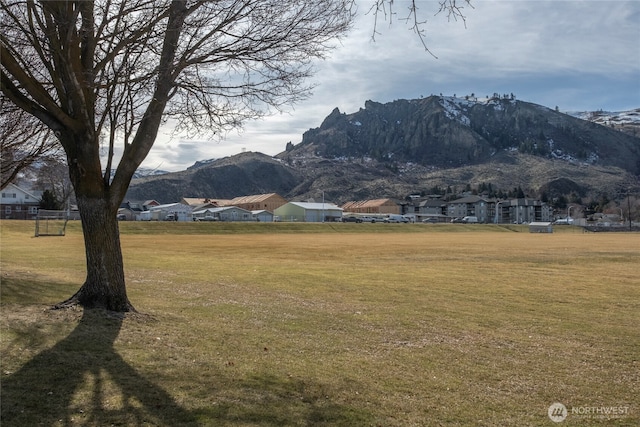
<point>576,55</point>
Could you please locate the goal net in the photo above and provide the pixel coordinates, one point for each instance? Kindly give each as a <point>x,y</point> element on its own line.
<point>51,223</point>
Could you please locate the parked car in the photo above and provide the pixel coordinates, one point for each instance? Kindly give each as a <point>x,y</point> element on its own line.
<point>457,220</point>
<point>470,219</point>
<point>351,219</point>
<point>396,218</point>
<point>430,220</point>
<point>369,219</point>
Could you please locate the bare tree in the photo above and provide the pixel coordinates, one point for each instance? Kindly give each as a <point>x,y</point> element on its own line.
<point>119,69</point>
<point>123,68</point>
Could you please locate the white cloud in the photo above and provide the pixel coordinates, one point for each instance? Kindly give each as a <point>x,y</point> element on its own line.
<point>578,55</point>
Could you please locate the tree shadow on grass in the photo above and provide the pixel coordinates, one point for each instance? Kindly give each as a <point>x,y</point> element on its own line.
<point>263,399</point>
<point>72,383</point>
<point>82,380</point>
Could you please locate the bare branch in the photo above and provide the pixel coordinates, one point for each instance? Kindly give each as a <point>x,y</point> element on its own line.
<point>125,67</point>
<point>382,10</point>
<point>23,141</point>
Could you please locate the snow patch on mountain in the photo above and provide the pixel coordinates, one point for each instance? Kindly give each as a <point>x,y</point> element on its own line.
<point>455,108</point>
<point>141,172</point>
<point>608,118</point>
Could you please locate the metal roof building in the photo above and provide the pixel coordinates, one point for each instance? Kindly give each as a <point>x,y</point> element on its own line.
<point>308,212</point>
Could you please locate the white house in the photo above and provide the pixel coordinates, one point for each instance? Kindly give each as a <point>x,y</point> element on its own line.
<point>18,203</point>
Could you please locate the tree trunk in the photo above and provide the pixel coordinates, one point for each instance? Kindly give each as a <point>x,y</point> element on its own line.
<point>104,286</point>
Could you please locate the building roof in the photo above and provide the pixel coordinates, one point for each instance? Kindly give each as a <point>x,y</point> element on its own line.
<point>135,205</point>
<point>167,206</point>
<point>217,209</point>
<point>469,199</point>
<point>256,198</point>
<point>317,206</point>
<point>367,203</point>
<point>204,206</point>
<point>34,194</point>
<point>197,201</point>
<point>432,203</point>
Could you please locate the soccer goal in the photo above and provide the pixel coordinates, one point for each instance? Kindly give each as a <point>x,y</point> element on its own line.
<point>51,223</point>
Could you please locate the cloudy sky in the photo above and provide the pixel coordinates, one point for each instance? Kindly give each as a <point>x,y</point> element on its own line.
<point>576,55</point>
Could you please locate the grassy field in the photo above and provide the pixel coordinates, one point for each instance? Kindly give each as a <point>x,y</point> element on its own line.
<point>325,324</point>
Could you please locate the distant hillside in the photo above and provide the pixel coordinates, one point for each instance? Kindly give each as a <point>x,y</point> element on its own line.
<point>411,146</point>
<point>243,174</point>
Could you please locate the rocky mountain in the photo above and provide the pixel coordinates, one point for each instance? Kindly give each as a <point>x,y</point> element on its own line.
<point>411,146</point>
<point>243,174</point>
<point>450,132</point>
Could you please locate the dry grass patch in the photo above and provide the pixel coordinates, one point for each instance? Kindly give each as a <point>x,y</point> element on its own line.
<point>337,327</point>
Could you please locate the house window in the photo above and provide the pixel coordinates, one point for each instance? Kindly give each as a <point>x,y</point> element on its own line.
<point>7,210</point>
<point>33,210</point>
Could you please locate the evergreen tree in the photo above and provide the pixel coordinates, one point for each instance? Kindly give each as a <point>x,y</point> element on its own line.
<point>49,201</point>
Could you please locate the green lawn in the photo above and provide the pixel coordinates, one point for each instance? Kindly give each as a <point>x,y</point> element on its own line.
<point>325,324</point>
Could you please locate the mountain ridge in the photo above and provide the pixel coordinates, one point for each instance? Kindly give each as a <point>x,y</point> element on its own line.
<point>410,146</point>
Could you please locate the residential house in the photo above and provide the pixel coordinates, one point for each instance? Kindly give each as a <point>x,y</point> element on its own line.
<point>132,209</point>
<point>308,212</point>
<point>374,206</point>
<point>18,203</point>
